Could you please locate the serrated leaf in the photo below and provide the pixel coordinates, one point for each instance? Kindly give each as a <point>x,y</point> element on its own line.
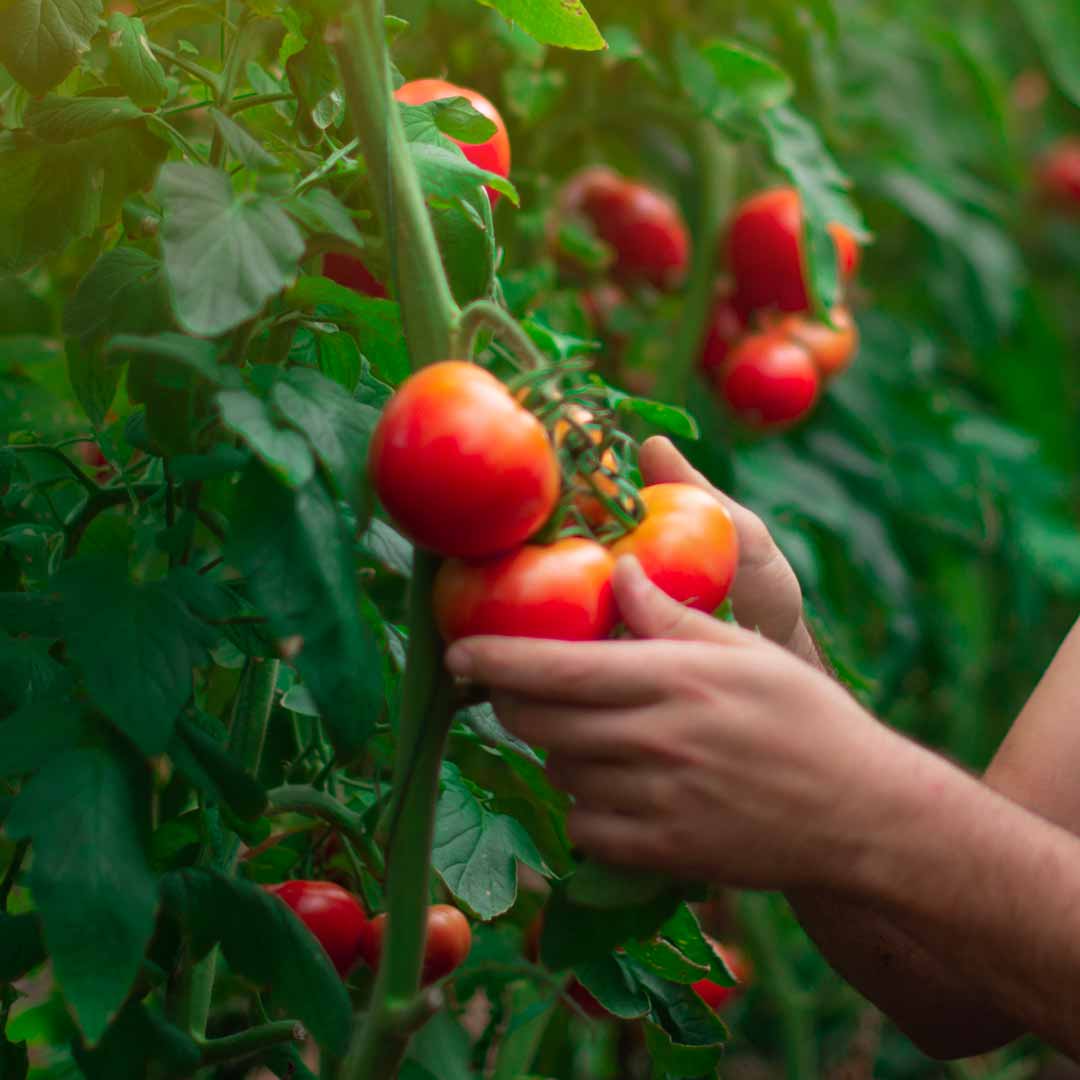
<point>565,23</point>
<point>63,119</point>
<point>286,452</point>
<point>90,878</point>
<point>121,293</point>
<point>132,63</point>
<point>44,39</point>
<point>226,254</point>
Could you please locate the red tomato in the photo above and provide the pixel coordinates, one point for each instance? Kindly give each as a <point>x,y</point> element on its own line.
<point>447,944</point>
<point>90,454</point>
<point>687,544</point>
<point>353,274</point>
<point>769,381</point>
<point>726,326</point>
<point>332,914</point>
<point>1059,175</point>
<point>460,466</point>
<point>561,591</point>
<point>713,994</point>
<point>585,1001</point>
<point>832,348</point>
<point>642,226</point>
<point>765,252</point>
<point>493,154</point>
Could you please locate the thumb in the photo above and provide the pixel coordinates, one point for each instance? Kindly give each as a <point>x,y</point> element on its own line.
<point>649,612</point>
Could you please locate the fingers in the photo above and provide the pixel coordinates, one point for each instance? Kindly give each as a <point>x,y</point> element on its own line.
<point>564,730</point>
<point>617,839</point>
<point>630,788</point>
<point>600,673</point>
<point>649,612</point>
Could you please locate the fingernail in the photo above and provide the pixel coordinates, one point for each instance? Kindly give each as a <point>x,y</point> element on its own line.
<point>459,661</point>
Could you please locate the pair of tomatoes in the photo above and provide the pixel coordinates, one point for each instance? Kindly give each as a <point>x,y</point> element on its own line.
<point>643,227</point>
<point>466,471</point>
<point>339,923</point>
<point>492,155</point>
<point>767,357</point>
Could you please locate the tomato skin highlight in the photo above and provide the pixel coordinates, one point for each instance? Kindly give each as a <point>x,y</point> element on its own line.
<point>349,271</point>
<point>492,155</point>
<point>1058,175</point>
<point>832,348</point>
<point>333,915</point>
<point>643,226</point>
<point>560,591</point>
<point>769,381</point>
<point>460,466</point>
<point>687,545</point>
<point>765,252</point>
<point>447,942</point>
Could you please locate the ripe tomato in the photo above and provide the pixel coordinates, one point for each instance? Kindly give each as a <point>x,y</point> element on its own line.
<point>1059,174</point>
<point>713,994</point>
<point>643,226</point>
<point>687,544</point>
<point>561,591</point>
<point>493,154</point>
<point>447,943</point>
<point>460,466</point>
<point>765,252</point>
<point>332,914</point>
<point>726,326</point>
<point>769,381</point>
<point>353,274</point>
<point>832,348</point>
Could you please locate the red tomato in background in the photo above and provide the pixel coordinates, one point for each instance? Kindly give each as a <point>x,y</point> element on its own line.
<point>687,544</point>
<point>832,348</point>
<point>726,326</point>
<point>493,154</point>
<point>641,225</point>
<point>460,466</point>
<point>332,914</point>
<point>447,944</point>
<point>769,381</point>
<point>560,591</point>
<point>349,271</point>
<point>765,252</point>
<point>713,994</point>
<point>1058,175</point>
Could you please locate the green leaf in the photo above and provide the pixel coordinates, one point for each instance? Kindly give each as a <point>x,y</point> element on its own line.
<point>226,254</point>
<point>321,212</point>
<point>284,451</point>
<point>61,119</point>
<point>339,358</point>
<point>669,418</point>
<point>565,23</point>
<point>243,145</point>
<point>136,644</point>
<point>1055,25</point>
<point>92,378</point>
<point>132,64</point>
<point>475,851</point>
<point>139,1043</point>
<point>22,311</point>
<point>598,886</point>
<point>121,293</point>
<point>296,552</point>
<point>728,80</point>
<point>388,547</point>
<point>44,39</point>
<point>609,981</point>
<point>28,674</point>
<point>263,940</point>
<point>36,614</point>
<point>90,878</point>
<point>446,174</point>
<point>483,722</point>
<point>37,732</point>
<point>21,946</point>
<point>206,763</point>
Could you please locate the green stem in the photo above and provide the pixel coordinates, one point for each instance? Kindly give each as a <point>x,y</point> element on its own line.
<point>251,1041</point>
<point>379,1042</point>
<point>483,313</point>
<point>793,1004</point>
<point>184,64</point>
<point>227,86</point>
<point>427,307</point>
<point>713,170</point>
<point>56,452</point>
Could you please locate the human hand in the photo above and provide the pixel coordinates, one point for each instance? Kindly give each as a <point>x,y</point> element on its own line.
<point>766,595</point>
<point>703,751</point>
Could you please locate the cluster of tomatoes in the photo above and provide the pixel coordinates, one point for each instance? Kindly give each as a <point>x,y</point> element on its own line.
<point>467,471</point>
<point>337,920</point>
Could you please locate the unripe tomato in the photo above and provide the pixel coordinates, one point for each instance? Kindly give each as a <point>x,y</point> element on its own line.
<point>769,381</point>
<point>446,945</point>
<point>832,348</point>
<point>642,226</point>
<point>1059,175</point>
<point>726,326</point>
<point>332,914</point>
<point>460,466</point>
<point>492,155</point>
<point>687,544</point>
<point>765,252</point>
<point>560,591</point>
<point>349,271</point>
<point>713,994</point>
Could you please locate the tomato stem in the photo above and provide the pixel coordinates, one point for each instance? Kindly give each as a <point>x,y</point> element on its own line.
<point>484,313</point>
<point>245,1043</point>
